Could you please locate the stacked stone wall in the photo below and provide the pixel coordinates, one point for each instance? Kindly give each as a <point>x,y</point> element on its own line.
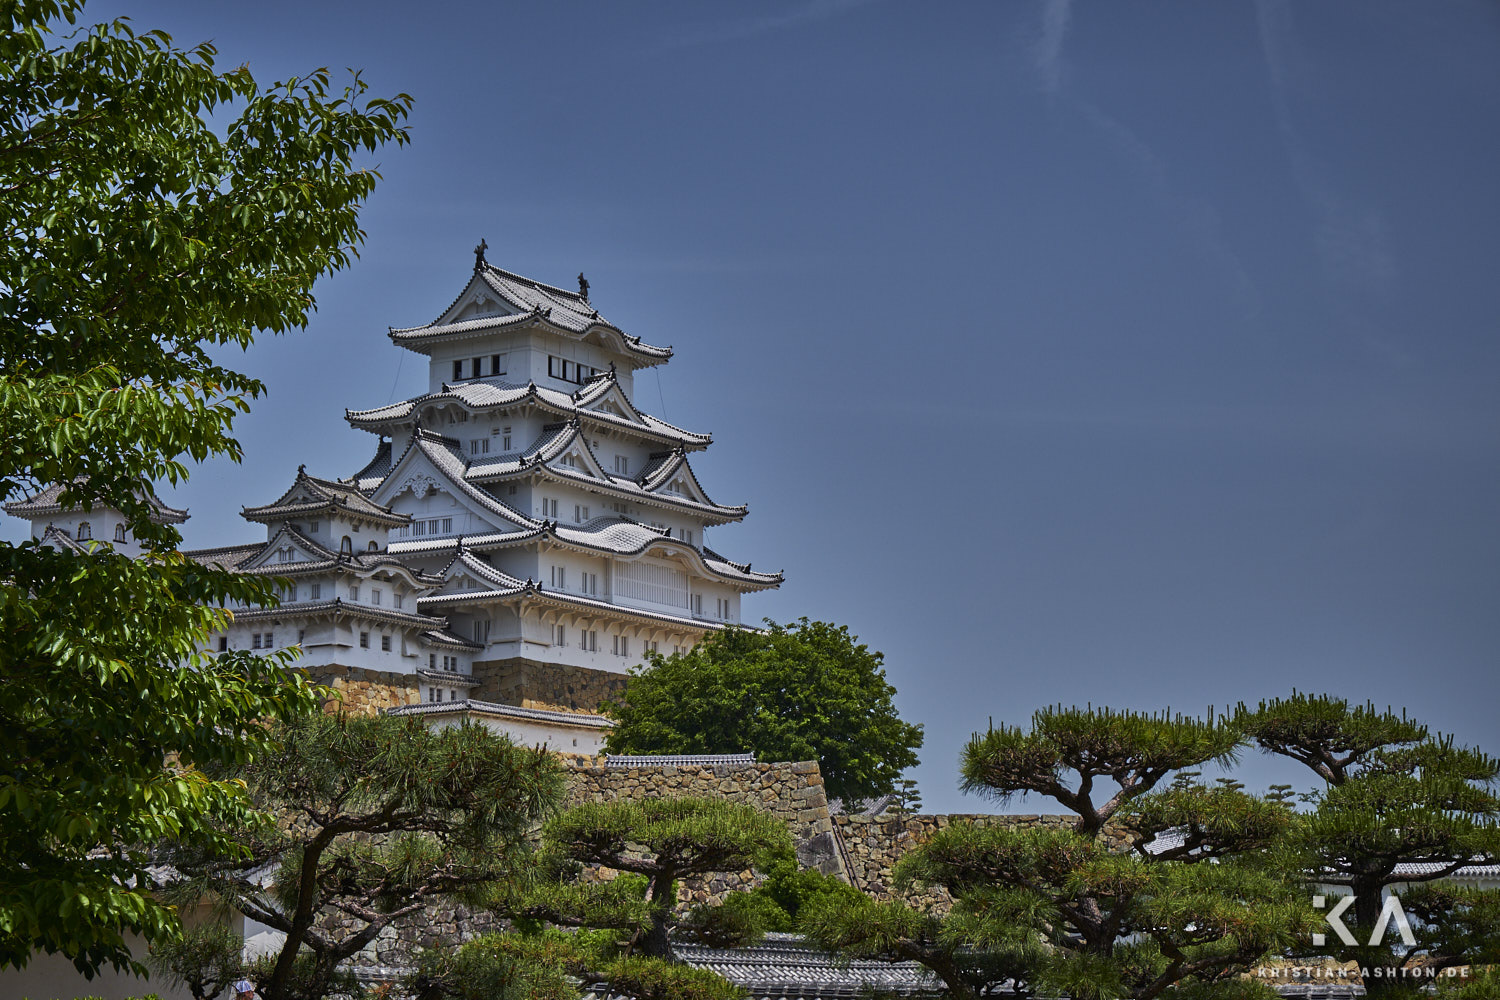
<point>366,692</point>
<point>555,686</point>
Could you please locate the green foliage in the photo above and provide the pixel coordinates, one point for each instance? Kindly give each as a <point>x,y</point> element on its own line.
<point>1213,821</point>
<point>908,801</point>
<point>1395,794</point>
<point>643,977</point>
<point>1133,750</point>
<point>1089,912</point>
<point>741,920</point>
<point>501,967</point>
<point>1327,734</point>
<point>666,840</point>
<point>138,240</point>
<point>895,931</point>
<point>376,818</point>
<point>306,979</point>
<point>205,961</point>
<point>803,691</point>
<point>1481,985</point>
<point>549,887</point>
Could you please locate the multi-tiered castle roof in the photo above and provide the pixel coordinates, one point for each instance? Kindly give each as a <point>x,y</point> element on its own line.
<point>568,524</point>
<point>523,535</point>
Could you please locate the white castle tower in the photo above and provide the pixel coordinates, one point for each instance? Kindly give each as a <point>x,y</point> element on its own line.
<point>566,523</point>
<point>523,536</point>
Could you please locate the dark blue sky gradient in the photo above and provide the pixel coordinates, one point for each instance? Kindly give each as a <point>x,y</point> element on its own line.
<point>1135,353</point>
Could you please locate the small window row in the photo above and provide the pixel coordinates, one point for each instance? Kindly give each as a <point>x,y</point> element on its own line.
<point>475,367</point>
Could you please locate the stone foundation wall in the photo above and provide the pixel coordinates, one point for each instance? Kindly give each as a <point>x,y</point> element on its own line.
<point>533,684</point>
<point>366,692</point>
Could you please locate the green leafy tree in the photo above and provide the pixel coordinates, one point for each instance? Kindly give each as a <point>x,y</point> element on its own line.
<point>1092,912</point>
<point>138,242</point>
<point>374,819</point>
<point>1399,807</point>
<point>803,691</point>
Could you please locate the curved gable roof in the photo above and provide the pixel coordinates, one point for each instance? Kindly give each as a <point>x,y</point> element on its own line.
<point>488,394</point>
<point>442,455</point>
<point>311,495</point>
<point>533,303</point>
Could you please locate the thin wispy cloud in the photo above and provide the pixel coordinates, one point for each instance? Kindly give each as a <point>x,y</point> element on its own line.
<point>1194,217</point>
<point>1047,52</point>
<point>1352,241</point>
<point>749,27</point>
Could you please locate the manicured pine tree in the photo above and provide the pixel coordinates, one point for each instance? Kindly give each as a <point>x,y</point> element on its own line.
<point>666,841</point>
<point>1401,810</point>
<point>374,820</point>
<point>1093,911</point>
<point>653,844</point>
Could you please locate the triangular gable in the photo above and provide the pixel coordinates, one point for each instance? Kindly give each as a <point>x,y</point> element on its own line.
<point>302,550</point>
<point>427,466</point>
<point>611,399</point>
<point>674,477</point>
<point>575,457</point>
<point>479,300</point>
<point>468,574</point>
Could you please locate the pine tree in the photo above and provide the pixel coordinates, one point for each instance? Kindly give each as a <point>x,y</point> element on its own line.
<point>1400,806</point>
<point>1107,908</point>
<point>665,841</point>
<point>651,845</point>
<point>375,819</point>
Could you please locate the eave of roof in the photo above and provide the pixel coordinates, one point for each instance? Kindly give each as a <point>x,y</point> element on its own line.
<point>331,495</point>
<point>47,502</point>
<point>340,608</point>
<point>581,720</point>
<point>533,592</point>
<point>565,311</point>
<point>479,395</point>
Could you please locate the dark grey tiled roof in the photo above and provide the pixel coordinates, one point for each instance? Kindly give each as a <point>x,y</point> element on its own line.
<point>341,608</point>
<point>481,395</point>
<point>785,966</point>
<point>627,761</point>
<point>49,501</point>
<point>585,720</point>
<point>311,495</point>
<point>375,470</point>
<point>1169,840</point>
<point>537,303</point>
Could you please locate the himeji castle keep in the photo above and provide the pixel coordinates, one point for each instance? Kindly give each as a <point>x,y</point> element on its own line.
<point>521,537</point>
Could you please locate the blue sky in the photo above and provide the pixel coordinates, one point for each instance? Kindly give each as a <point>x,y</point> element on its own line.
<point>1135,353</point>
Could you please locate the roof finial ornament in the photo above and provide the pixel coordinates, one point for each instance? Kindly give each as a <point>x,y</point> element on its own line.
<point>302,469</point>
<point>479,255</point>
<point>583,287</point>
